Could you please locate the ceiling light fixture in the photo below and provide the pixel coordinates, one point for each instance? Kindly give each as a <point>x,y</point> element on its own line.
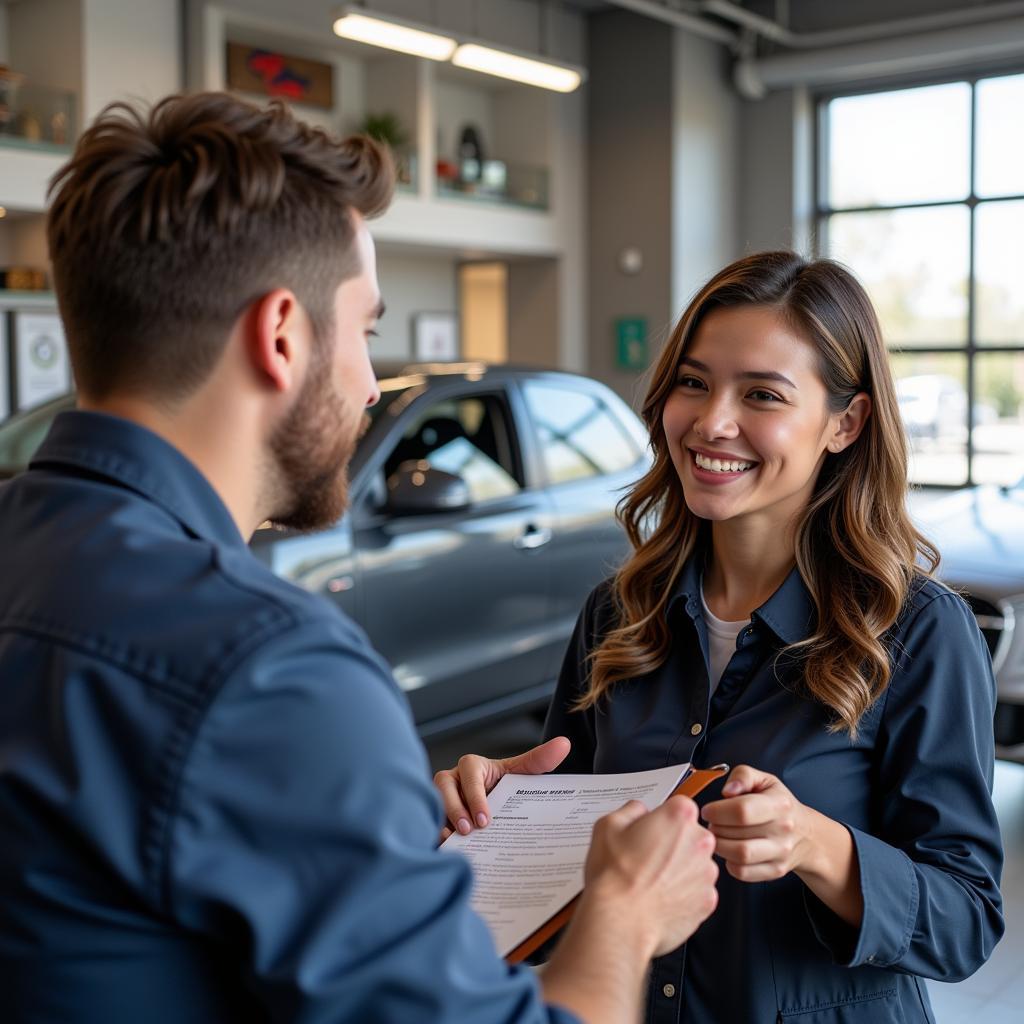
<point>392,34</point>
<point>519,68</point>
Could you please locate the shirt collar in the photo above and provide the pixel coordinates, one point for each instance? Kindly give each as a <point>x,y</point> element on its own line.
<point>137,459</point>
<point>789,613</point>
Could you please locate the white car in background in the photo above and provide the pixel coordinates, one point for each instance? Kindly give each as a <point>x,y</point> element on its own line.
<point>934,408</point>
<point>980,535</point>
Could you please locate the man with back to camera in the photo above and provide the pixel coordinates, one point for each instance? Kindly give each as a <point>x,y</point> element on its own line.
<point>213,803</point>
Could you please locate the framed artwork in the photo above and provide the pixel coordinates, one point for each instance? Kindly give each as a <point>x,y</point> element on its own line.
<point>435,337</point>
<point>41,366</point>
<point>269,73</point>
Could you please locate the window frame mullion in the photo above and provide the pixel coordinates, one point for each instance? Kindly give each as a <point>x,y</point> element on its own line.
<point>825,212</point>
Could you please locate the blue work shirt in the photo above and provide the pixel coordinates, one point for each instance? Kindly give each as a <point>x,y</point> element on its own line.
<point>213,803</point>
<point>914,789</point>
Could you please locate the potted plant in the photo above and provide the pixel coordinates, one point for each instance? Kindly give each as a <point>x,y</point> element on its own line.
<point>387,128</point>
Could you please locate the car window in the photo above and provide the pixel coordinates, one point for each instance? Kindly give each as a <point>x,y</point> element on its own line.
<point>468,437</point>
<point>580,437</point>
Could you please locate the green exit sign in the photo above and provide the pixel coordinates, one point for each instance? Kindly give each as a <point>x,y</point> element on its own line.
<point>631,342</point>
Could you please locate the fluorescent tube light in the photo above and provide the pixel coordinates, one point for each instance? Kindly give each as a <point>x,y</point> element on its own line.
<point>557,77</point>
<point>392,35</point>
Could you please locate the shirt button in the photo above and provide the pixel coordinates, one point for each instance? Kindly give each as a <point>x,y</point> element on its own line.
<point>669,991</point>
<point>696,729</point>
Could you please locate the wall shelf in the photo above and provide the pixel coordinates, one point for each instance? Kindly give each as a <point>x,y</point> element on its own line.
<point>25,174</point>
<point>519,126</point>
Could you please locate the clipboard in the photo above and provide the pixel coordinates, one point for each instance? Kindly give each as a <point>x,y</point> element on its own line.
<point>692,783</point>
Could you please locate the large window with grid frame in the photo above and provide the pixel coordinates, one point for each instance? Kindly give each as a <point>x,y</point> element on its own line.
<point>921,194</point>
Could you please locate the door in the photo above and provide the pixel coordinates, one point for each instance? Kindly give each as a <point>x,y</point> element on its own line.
<point>458,601</point>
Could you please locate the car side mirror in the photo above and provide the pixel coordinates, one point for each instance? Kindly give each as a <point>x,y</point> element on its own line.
<point>416,488</point>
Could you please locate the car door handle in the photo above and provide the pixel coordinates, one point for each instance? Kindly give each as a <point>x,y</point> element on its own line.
<point>532,538</point>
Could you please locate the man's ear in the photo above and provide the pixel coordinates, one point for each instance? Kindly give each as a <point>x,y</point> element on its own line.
<point>277,338</point>
<point>848,425</point>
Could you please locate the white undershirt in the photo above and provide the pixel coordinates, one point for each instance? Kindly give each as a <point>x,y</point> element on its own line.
<point>721,641</point>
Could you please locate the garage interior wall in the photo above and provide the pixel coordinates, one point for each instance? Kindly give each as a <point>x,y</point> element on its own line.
<point>535,313</point>
<point>706,146</point>
<point>629,167</point>
<point>676,163</point>
<point>101,50</point>
<point>44,42</point>
<point>775,187</point>
<point>411,284</point>
<point>129,46</point>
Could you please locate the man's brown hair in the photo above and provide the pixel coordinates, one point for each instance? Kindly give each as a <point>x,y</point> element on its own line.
<point>165,225</point>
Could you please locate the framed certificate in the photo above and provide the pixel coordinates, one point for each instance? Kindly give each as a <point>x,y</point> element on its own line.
<point>41,367</point>
<point>5,362</point>
<point>435,336</point>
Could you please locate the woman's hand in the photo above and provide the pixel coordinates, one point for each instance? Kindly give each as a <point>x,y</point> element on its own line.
<point>763,832</point>
<point>464,788</point>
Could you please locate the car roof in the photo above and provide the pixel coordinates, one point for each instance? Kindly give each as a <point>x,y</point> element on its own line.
<point>471,370</point>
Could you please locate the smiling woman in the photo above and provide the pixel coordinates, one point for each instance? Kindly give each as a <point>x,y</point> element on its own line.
<point>778,364</point>
<point>775,615</point>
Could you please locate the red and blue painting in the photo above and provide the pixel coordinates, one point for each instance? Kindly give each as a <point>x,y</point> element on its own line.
<point>269,73</point>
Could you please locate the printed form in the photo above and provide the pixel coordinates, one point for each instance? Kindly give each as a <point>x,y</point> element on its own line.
<point>528,863</point>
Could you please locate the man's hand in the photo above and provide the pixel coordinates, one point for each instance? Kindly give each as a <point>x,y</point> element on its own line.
<point>657,865</point>
<point>464,788</point>
<point>650,883</point>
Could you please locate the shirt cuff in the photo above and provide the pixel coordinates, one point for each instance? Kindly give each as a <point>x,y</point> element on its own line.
<point>560,1015</point>
<point>888,885</point>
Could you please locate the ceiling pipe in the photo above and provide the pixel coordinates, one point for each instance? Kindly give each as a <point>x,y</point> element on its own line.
<point>689,22</point>
<point>928,42</point>
<point>882,58</point>
<point>769,29</point>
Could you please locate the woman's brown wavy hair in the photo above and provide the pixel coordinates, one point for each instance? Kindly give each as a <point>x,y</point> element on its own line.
<point>856,548</point>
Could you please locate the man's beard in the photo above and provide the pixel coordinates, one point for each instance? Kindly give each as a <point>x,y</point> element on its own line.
<point>311,449</point>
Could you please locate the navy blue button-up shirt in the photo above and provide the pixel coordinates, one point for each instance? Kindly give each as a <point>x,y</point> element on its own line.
<point>914,789</point>
<point>213,803</point>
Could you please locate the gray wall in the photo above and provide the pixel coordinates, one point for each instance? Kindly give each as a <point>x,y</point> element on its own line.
<point>776,169</point>
<point>706,162</point>
<point>533,313</point>
<point>629,157</point>
<point>411,283</point>
<point>821,15</point>
<point>44,41</point>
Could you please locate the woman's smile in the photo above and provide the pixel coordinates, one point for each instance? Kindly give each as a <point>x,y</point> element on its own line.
<point>719,468</point>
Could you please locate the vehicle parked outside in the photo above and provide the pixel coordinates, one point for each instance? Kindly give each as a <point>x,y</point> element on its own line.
<point>481,515</point>
<point>934,408</point>
<point>980,535</point>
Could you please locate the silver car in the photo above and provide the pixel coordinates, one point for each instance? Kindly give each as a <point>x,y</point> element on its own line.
<point>482,513</point>
<point>980,534</point>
